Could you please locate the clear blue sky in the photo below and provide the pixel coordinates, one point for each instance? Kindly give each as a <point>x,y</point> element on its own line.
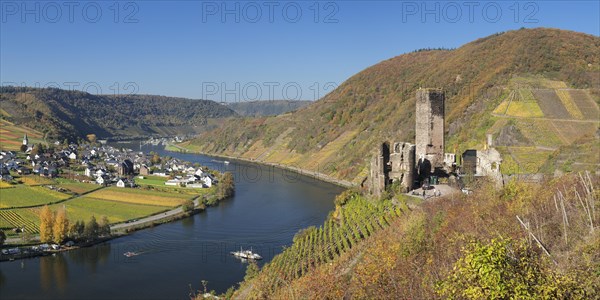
<point>197,49</point>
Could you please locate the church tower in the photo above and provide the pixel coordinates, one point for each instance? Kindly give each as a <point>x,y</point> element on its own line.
<point>25,140</point>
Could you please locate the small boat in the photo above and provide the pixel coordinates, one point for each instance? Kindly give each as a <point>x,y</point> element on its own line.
<point>246,254</point>
<point>130,254</point>
<point>226,162</point>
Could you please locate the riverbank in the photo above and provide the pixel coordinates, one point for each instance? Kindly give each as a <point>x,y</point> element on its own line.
<point>313,174</point>
<point>117,231</point>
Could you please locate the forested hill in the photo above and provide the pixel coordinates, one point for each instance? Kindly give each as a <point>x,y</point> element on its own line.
<point>552,75</point>
<point>73,114</point>
<point>267,107</point>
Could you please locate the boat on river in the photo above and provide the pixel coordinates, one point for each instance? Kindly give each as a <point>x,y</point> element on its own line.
<point>246,254</point>
<point>130,254</point>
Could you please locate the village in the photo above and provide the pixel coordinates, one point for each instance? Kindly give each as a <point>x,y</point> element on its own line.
<point>101,164</point>
<point>126,190</point>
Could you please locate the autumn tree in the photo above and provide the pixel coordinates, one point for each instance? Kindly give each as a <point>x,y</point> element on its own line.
<point>91,228</point>
<point>155,159</point>
<point>46,224</point>
<point>23,148</point>
<point>60,228</point>
<point>104,226</point>
<point>226,186</point>
<point>92,138</point>
<point>2,237</point>
<point>76,229</point>
<point>187,205</point>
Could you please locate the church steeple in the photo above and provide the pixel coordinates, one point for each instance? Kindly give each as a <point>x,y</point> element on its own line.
<point>25,140</point>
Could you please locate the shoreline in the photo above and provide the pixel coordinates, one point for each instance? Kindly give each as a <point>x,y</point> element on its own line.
<point>312,174</point>
<point>122,230</point>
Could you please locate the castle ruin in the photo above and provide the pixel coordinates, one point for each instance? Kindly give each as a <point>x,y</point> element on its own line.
<point>390,165</point>
<point>429,131</point>
<point>406,163</point>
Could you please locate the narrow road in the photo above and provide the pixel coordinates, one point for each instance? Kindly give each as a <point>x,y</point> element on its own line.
<point>152,218</point>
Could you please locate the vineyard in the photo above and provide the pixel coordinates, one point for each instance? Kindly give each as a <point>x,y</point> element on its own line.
<point>10,219</point>
<point>141,197</point>
<point>358,219</point>
<point>24,196</point>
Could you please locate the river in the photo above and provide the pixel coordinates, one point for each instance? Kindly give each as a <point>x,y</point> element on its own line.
<point>270,206</point>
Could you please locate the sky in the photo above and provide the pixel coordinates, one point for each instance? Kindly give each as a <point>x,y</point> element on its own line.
<point>244,50</point>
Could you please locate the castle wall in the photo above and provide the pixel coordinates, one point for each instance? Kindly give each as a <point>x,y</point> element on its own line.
<point>403,165</point>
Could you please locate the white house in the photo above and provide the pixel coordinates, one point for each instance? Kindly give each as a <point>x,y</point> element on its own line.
<point>73,155</point>
<point>208,181</point>
<point>124,182</point>
<point>100,180</point>
<point>89,172</point>
<point>121,183</point>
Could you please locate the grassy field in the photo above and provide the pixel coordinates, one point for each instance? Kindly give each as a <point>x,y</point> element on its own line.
<point>35,180</point>
<point>5,185</point>
<point>76,187</point>
<point>21,196</point>
<point>152,180</point>
<point>84,208</point>
<point>137,196</point>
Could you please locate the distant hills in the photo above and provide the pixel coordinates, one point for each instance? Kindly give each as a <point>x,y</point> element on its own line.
<point>60,114</point>
<point>536,90</point>
<point>266,107</point>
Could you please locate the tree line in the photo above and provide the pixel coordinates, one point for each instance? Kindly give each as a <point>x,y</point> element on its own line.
<point>56,227</point>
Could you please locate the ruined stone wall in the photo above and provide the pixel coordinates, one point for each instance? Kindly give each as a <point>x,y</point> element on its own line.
<point>390,165</point>
<point>377,175</point>
<point>429,127</point>
<point>403,165</point>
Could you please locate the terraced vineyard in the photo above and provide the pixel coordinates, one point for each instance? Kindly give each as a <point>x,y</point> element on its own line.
<point>11,135</point>
<point>19,218</point>
<point>356,220</point>
<point>551,116</point>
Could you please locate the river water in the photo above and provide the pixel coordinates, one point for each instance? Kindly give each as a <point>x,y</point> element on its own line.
<point>270,206</point>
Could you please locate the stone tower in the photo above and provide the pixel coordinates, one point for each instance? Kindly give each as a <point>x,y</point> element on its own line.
<point>429,130</point>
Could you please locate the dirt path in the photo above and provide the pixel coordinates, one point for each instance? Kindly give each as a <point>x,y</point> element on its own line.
<point>547,119</point>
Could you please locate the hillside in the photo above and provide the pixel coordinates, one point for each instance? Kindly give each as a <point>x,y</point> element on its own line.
<point>460,247</point>
<point>336,134</point>
<point>11,136</point>
<point>266,108</point>
<point>73,114</point>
